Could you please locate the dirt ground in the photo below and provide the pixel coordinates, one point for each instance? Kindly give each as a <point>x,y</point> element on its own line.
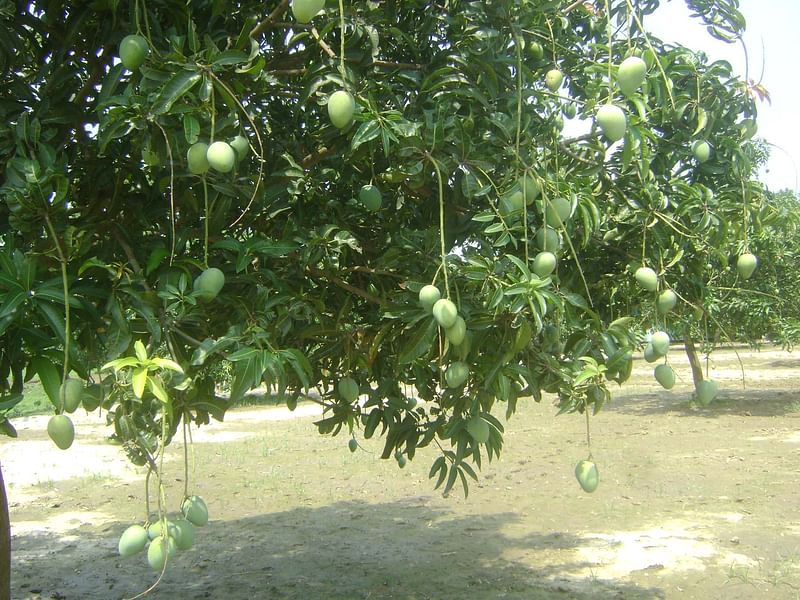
<point>693,503</point>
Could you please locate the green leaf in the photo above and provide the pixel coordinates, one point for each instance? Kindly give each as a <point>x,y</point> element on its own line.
<point>11,302</point>
<point>300,365</point>
<point>247,373</point>
<point>139,380</point>
<point>139,349</point>
<point>246,353</point>
<point>702,120</point>
<point>120,363</point>
<point>49,377</point>
<point>10,401</point>
<point>6,428</point>
<point>230,57</point>
<point>158,390</point>
<point>368,131</point>
<point>208,347</point>
<point>419,343</point>
<point>191,128</point>
<point>165,363</point>
<point>174,90</point>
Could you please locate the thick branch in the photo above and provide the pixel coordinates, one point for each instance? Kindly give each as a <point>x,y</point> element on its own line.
<point>691,354</point>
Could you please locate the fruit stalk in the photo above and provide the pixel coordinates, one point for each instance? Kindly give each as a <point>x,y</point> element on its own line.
<point>441,224</point>
<point>341,43</point>
<point>205,222</point>
<point>588,434</point>
<point>518,47</point>
<point>171,192</point>
<point>62,259</point>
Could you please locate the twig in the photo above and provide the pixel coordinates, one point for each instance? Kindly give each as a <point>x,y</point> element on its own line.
<point>346,286</point>
<point>322,153</point>
<point>328,50</point>
<point>265,24</point>
<point>385,64</point>
<point>573,6</point>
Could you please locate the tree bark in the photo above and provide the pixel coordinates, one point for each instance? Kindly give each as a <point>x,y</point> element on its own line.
<point>694,360</point>
<point>5,543</point>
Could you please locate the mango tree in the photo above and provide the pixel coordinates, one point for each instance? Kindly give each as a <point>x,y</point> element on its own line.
<point>372,204</point>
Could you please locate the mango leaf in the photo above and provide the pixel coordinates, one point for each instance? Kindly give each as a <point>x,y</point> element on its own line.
<point>230,57</point>
<point>367,132</point>
<point>158,390</point>
<point>208,347</point>
<point>191,128</point>
<point>10,402</point>
<point>6,428</point>
<point>419,343</point>
<point>141,352</point>
<point>139,380</point>
<point>165,363</point>
<point>247,372</point>
<point>174,90</point>
<point>49,377</point>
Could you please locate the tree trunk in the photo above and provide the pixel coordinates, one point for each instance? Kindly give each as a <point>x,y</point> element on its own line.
<point>5,543</point>
<point>694,360</point>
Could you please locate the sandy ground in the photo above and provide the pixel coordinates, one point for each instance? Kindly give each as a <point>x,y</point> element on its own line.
<point>693,503</point>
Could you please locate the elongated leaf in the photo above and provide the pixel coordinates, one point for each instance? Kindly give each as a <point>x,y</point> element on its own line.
<point>191,128</point>
<point>246,353</point>
<point>49,377</point>
<point>230,57</point>
<point>6,428</point>
<point>141,352</point>
<point>247,374</point>
<point>166,363</point>
<point>139,380</point>
<point>419,343</point>
<point>368,131</point>
<point>54,317</point>
<point>209,347</point>
<point>158,390</point>
<point>121,363</point>
<point>174,90</point>
<point>10,402</point>
<point>11,302</point>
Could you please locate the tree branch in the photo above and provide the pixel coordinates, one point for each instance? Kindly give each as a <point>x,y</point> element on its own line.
<point>322,153</point>
<point>345,286</point>
<point>322,43</point>
<point>270,19</point>
<point>385,64</point>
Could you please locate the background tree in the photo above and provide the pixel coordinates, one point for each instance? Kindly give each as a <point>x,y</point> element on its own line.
<point>316,229</point>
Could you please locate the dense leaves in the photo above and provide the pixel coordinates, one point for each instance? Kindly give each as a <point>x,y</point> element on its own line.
<point>456,128</point>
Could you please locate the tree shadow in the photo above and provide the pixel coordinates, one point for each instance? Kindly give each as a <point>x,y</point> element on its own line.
<point>749,402</point>
<point>344,551</point>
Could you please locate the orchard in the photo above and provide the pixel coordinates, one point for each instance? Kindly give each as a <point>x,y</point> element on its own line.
<point>371,204</point>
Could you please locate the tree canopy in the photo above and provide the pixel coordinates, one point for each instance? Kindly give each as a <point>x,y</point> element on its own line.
<point>315,231</point>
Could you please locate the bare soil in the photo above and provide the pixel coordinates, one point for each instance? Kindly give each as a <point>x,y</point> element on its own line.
<point>693,503</point>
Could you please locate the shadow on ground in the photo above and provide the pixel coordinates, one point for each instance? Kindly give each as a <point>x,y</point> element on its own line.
<point>732,400</point>
<point>348,550</point>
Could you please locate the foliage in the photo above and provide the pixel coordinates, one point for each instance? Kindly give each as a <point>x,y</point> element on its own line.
<point>453,118</point>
